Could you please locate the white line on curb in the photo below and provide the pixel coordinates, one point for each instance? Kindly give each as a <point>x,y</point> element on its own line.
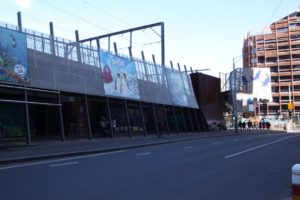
<point>64,164</point>
<point>143,154</point>
<point>58,160</point>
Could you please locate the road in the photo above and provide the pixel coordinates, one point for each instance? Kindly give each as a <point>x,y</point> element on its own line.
<point>234,167</point>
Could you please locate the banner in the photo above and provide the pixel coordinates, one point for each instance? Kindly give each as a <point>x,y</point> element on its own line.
<point>119,76</point>
<point>262,83</point>
<point>13,56</point>
<point>253,82</point>
<point>176,87</point>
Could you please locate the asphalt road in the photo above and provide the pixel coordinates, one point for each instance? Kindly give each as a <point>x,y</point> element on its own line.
<point>233,167</point>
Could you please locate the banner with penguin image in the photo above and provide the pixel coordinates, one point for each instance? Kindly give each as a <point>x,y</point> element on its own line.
<point>13,56</point>
<point>119,76</point>
<point>176,87</point>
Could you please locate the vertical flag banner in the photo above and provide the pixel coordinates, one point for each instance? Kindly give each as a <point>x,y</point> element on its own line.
<point>119,76</point>
<point>176,87</point>
<point>13,56</point>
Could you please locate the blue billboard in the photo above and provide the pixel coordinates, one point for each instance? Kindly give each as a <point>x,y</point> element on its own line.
<point>13,56</point>
<point>119,76</point>
<point>176,87</point>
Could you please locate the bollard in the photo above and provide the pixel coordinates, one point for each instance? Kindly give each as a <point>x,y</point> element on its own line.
<point>296,181</point>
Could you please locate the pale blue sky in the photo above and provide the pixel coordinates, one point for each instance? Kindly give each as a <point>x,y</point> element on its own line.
<point>201,34</point>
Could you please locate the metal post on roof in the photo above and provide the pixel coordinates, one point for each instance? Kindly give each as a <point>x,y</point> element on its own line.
<point>19,21</point>
<point>171,63</point>
<point>130,52</point>
<point>178,64</point>
<point>162,35</point>
<point>109,43</point>
<point>52,38</point>
<point>78,46</point>
<point>155,67</point>
<point>145,66</point>
<point>115,48</point>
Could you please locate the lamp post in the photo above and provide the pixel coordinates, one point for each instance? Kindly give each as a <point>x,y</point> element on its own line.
<point>234,106</point>
<point>233,91</point>
<point>290,104</point>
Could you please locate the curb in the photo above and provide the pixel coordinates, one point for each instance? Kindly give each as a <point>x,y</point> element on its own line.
<point>105,150</point>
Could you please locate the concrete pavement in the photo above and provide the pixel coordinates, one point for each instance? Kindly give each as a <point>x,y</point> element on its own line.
<point>73,147</point>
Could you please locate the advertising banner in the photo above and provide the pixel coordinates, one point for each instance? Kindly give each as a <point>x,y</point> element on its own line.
<point>176,87</point>
<point>262,83</point>
<point>119,76</point>
<point>252,83</point>
<point>13,56</point>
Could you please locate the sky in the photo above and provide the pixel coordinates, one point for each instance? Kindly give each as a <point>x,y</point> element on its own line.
<point>198,34</point>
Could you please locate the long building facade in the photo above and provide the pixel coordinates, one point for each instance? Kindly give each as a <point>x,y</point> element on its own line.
<point>56,88</point>
<point>279,50</point>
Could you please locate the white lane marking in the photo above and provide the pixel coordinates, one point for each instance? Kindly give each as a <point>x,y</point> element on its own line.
<point>235,140</point>
<point>143,154</point>
<point>58,160</point>
<point>216,143</point>
<point>187,147</point>
<point>257,147</point>
<point>249,138</point>
<point>64,164</point>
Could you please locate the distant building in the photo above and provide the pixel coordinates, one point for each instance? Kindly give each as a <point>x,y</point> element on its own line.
<point>278,49</point>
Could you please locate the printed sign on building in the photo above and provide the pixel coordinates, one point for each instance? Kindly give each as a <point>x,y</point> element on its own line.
<point>256,82</point>
<point>119,76</point>
<point>176,87</point>
<point>262,83</point>
<point>13,56</point>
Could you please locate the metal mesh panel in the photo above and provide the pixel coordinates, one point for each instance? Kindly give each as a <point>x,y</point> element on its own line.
<point>64,65</point>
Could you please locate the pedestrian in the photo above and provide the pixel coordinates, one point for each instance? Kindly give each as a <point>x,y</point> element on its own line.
<point>268,125</point>
<point>244,125</point>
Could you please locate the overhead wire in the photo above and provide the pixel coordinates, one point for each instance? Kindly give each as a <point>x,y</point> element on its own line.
<point>98,8</point>
<point>37,19</point>
<point>46,3</point>
<point>66,12</point>
<point>275,11</point>
<point>104,11</point>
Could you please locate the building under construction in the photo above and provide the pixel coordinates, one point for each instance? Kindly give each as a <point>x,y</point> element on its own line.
<point>278,49</point>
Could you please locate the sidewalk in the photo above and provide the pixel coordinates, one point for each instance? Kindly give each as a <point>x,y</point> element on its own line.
<point>75,147</point>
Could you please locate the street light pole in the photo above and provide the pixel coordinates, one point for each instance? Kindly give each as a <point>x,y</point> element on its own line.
<point>234,106</point>
<point>290,93</point>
